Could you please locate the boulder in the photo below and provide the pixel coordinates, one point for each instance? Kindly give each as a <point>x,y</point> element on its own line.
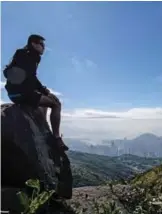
<point>28,150</point>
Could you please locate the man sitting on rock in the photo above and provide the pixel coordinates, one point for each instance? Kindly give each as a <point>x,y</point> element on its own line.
<point>23,87</point>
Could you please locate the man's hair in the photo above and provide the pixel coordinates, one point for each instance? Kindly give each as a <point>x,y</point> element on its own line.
<point>34,38</point>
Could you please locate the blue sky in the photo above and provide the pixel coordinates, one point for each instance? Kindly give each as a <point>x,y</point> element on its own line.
<point>100,55</point>
<point>121,42</point>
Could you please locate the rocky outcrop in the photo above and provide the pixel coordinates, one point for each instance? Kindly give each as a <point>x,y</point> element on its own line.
<point>28,150</point>
<point>85,199</point>
<point>23,145</point>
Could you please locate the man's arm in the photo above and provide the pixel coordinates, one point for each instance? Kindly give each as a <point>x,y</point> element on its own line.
<point>40,87</point>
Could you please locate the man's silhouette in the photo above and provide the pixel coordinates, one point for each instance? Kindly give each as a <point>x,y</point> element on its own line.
<point>23,86</point>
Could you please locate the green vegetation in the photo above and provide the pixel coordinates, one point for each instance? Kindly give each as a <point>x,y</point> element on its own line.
<point>140,195</point>
<point>94,170</point>
<point>151,178</point>
<point>145,193</point>
<point>102,208</point>
<point>37,200</point>
<point>107,208</point>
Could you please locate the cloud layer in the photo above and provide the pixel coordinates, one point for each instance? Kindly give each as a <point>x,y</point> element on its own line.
<point>134,113</point>
<point>97,124</point>
<point>2,84</point>
<point>55,92</point>
<point>83,65</point>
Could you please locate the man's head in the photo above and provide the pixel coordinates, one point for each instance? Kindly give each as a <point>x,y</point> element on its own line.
<point>36,42</point>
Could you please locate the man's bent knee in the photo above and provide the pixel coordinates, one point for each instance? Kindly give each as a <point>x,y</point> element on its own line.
<point>50,102</point>
<point>56,107</point>
<point>55,101</point>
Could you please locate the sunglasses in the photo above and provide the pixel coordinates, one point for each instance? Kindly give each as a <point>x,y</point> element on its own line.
<point>41,43</point>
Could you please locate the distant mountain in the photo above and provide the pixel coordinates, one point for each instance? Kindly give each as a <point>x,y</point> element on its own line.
<point>145,145</point>
<point>91,169</point>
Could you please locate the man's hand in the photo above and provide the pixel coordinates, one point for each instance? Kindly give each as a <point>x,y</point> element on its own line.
<point>45,91</point>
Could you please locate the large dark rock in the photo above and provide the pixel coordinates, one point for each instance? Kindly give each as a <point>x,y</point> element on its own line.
<point>20,137</point>
<point>28,150</point>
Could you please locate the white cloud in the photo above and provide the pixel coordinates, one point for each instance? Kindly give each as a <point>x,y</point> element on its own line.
<point>48,49</point>
<point>1,102</point>
<point>83,65</point>
<point>55,92</point>
<point>97,124</point>
<point>2,84</point>
<point>99,129</point>
<point>134,113</point>
<point>90,64</point>
<point>77,64</point>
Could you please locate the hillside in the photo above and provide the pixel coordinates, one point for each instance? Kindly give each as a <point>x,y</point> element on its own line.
<point>151,178</point>
<point>144,192</point>
<point>141,195</point>
<point>131,198</point>
<point>93,170</point>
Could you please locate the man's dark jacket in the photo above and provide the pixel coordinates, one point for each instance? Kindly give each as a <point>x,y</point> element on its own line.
<point>28,60</point>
